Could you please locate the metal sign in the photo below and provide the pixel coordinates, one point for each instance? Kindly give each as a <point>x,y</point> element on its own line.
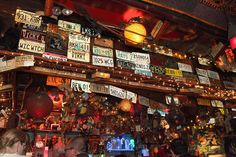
<point>117,92</point>
<point>103,42</point>
<point>79,38</point>
<point>143,100</point>
<point>107,52</point>
<point>140,58</point>
<point>123,55</point>
<point>80,86</point>
<point>33,35</point>
<point>213,74</point>
<point>27,17</point>
<point>145,67</point>
<point>53,56</point>
<point>132,96</point>
<point>125,64</point>
<point>69,26</point>
<point>201,72</point>
<point>173,72</point>
<point>99,88</point>
<point>185,67</point>
<point>78,55</point>
<point>157,69</point>
<point>31,46</point>
<point>102,61</point>
<point>79,46</point>
<point>204,80</point>
<point>143,72</point>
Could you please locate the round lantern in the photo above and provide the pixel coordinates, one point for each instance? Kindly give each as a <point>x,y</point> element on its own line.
<point>233,45</point>
<point>125,105</point>
<point>39,105</point>
<point>135,33</point>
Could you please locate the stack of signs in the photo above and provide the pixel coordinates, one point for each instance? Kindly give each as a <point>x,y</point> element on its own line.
<point>79,48</point>
<point>31,41</point>
<point>103,56</point>
<point>142,63</point>
<point>56,43</point>
<point>208,77</point>
<point>202,76</point>
<point>123,60</point>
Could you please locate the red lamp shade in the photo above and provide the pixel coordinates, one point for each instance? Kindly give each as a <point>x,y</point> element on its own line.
<point>39,105</point>
<point>233,42</point>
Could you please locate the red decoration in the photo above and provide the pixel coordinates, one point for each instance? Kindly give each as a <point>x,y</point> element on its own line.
<point>39,105</point>
<point>233,42</point>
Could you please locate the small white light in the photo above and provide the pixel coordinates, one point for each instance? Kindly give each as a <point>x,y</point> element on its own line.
<point>56,11</point>
<point>66,12</point>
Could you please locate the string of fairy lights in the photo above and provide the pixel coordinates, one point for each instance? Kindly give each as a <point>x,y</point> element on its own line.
<point>122,74</point>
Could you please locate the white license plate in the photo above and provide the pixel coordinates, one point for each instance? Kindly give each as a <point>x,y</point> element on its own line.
<point>27,17</point>
<point>70,26</point>
<point>31,46</point>
<point>79,46</point>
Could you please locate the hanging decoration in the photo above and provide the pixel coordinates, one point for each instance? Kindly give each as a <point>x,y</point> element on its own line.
<point>125,105</point>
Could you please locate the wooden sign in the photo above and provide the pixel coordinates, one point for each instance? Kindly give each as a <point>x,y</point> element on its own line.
<point>117,92</point>
<point>100,51</point>
<point>143,100</point>
<point>53,56</point>
<point>56,40</point>
<point>123,55</point>
<point>57,81</point>
<point>173,72</point>
<point>185,67</point>
<point>125,64</point>
<point>131,96</point>
<point>99,88</point>
<point>201,72</point>
<point>69,26</point>
<point>103,42</point>
<point>78,55</point>
<point>24,61</point>
<point>33,35</point>
<point>80,86</point>
<point>204,102</point>
<point>213,74</point>
<point>27,17</point>
<point>102,61</point>
<point>31,46</point>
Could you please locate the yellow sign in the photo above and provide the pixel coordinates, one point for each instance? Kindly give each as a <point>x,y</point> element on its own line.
<point>173,72</point>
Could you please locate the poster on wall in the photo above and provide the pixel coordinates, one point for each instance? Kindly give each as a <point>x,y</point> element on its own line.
<point>56,40</point>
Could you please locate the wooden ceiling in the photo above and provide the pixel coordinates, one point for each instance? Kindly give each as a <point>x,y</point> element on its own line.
<point>194,25</point>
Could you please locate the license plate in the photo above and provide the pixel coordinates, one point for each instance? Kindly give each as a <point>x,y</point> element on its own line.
<point>79,38</point>
<point>69,26</point>
<point>79,46</point>
<point>33,35</point>
<point>27,17</point>
<point>31,46</point>
<point>102,51</point>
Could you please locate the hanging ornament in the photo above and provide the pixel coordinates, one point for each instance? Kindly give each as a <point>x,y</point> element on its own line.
<point>125,105</point>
